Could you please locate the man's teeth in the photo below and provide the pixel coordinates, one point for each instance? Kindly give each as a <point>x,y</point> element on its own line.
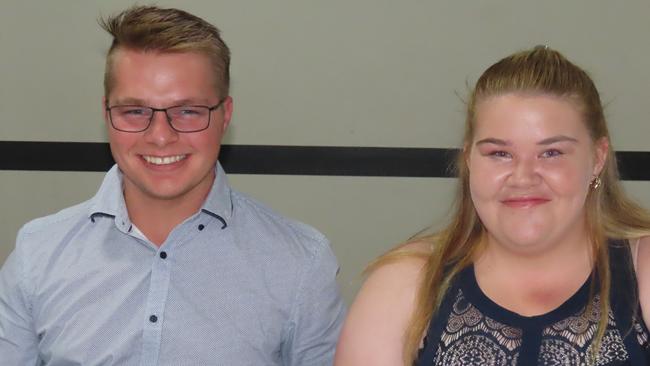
<point>157,160</point>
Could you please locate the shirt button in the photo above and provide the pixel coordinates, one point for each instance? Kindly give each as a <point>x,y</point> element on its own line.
<point>163,255</point>
<point>201,227</point>
<point>153,318</point>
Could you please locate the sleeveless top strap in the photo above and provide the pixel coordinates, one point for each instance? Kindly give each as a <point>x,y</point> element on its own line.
<point>624,299</point>
<point>434,332</point>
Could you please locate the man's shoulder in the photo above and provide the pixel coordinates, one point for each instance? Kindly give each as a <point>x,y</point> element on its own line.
<point>41,240</point>
<point>263,220</point>
<point>60,222</point>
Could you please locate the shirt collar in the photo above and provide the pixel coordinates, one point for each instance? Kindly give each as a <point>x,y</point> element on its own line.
<point>109,200</point>
<point>219,200</point>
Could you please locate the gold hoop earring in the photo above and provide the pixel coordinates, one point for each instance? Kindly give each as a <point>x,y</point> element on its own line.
<point>595,183</point>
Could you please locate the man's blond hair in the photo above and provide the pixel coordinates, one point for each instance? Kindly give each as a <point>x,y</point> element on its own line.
<point>154,29</point>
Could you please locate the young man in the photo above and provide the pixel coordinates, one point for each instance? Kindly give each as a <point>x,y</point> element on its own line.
<point>167,265</point>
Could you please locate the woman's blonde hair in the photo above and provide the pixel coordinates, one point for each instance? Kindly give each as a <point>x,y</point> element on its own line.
<point>610,213</point>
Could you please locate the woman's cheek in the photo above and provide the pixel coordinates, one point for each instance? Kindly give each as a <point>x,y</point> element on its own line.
<point>566,178</point>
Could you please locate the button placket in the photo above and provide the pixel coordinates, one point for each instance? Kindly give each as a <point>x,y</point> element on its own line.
<point>155,308</point>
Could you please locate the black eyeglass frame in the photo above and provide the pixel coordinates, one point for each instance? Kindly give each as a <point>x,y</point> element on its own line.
<point>169,120</point>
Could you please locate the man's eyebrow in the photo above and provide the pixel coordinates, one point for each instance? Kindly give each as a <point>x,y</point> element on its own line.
<point>142,102</point>
<point>129,101</point>
<point>492,140</point>
<point>180,102</point>
<point>558,138</point>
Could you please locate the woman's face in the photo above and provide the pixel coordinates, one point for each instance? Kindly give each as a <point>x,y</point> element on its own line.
<point>530,163</point>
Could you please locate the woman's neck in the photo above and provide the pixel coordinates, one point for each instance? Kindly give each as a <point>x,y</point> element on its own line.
<point>533,284</point>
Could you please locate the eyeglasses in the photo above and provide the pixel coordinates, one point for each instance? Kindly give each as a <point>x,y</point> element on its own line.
<point>182,118</point>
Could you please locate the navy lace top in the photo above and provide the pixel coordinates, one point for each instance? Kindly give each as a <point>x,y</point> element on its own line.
<point>470,329</point>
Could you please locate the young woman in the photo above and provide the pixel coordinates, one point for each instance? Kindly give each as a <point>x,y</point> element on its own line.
<point>545,261</point>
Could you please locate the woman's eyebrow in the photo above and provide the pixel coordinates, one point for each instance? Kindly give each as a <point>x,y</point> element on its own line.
<point>558,138</point>
<point>492,140</point>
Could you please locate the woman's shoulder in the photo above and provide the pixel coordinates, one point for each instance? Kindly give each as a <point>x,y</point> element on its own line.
<point>640,248</point>
<point>395,277</point>
<point>399,270</point>
<point>400,267</point>
<point>382,310</point>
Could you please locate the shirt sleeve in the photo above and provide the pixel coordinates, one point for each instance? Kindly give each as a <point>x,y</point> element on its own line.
<point>317,316</point>
<point>18,341</point>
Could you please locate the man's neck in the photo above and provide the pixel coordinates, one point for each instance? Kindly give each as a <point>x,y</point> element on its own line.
<point>157,217</point>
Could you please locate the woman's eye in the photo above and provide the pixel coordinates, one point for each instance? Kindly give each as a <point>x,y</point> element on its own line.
<point>499,154</point>
<point>551,153</point>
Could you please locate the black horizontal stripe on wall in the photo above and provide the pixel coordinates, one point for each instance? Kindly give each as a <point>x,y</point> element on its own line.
<point>274,159</point>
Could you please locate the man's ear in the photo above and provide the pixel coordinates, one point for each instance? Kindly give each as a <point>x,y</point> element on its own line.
<point>601,151</point>
<point>227,112</point>
<point>104,111</point>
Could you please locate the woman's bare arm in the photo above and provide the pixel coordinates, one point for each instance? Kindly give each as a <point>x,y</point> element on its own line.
<point>373,333</point>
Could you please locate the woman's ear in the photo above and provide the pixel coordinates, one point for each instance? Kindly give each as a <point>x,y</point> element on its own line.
<point>601,152</point>
<point>466,153</point>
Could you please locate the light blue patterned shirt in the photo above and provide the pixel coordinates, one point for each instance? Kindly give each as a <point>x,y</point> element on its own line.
<point>235,284</point>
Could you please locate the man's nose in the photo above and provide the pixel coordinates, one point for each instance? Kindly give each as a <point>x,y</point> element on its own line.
<point>160,131</point>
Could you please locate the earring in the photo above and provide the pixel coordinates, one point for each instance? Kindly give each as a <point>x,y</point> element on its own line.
<point>595,183</point>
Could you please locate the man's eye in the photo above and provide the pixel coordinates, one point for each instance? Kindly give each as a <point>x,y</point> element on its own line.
<point>189,111</point>
<point>134,111</point>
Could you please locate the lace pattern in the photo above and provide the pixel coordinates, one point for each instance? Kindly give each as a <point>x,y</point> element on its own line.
<point>465,318</point>
<point>472,338</point>
<point>569,341</point>
<point>641,336</point>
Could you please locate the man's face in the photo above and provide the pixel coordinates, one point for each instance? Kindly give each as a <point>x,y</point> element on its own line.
<point>161,163</point>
